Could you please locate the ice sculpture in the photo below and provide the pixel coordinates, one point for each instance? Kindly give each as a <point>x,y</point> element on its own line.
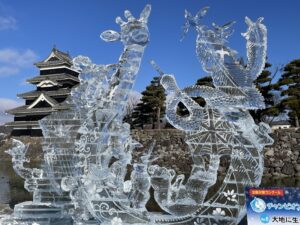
<point>79,143</point>
<point>223,127</point>
<point>89,177</point>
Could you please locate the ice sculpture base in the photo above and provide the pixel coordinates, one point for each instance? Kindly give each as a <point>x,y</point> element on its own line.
<point>30,213</point>
<point>94,222</point>
<point>117,220</point>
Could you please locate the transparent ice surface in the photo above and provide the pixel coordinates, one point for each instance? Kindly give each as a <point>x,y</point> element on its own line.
<point>88,175</point>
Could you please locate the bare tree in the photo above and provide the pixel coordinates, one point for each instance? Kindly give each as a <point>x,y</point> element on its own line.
<point>133,99</point>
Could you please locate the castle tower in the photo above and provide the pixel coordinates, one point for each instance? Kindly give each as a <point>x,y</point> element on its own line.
<point>53,86</point>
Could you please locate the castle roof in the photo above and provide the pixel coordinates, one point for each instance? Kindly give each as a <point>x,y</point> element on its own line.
<point>25,110</point>
<point>53,77</point>
<point>280,122</point>
<point>35,94</point>
<point>56,58</point>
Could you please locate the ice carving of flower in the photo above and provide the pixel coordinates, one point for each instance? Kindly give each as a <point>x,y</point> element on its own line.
<point>230,195</point>
<point>218,212</point>
<point>201,221</point>
<point>127,186</point>
<point>198,221</point>
<point>116,221</point>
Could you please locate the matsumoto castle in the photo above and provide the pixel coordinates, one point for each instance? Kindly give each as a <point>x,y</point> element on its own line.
<point>53,86</point>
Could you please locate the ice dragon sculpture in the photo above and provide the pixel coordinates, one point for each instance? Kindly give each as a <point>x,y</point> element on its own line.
<point>88,175</point>
<point>223,127</point>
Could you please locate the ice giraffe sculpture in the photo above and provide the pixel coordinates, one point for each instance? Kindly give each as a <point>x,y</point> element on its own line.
<point>103,145</point>
<point>80,142</point>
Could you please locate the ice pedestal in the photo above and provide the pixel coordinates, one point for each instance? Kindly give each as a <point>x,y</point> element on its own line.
<point>47,208</point>
<point>50,204</point>
<point>42,214</point>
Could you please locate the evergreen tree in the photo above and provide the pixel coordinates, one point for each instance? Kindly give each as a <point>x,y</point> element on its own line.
<point>204,81</point>
<point>290,84</point>
<point>152,106</point>
<point>264,83</point>
<point>140,115</point>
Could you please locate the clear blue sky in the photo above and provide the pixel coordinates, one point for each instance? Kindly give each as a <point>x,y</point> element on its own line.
<point>29,29</point>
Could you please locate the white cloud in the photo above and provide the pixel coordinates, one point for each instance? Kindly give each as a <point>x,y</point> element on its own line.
<point>7,71</point>
<point>18,58</point>
<point>12,60</point>
<point>5,104</point>
<point>135,95</point>
<point>23,82</point>
<point>8,23</point>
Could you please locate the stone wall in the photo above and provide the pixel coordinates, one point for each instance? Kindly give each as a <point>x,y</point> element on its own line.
<point>170,148</point>
<point>281,159</point>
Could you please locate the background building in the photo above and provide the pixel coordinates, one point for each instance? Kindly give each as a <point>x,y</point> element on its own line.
<point>275,125</point>
<point>53,86</point>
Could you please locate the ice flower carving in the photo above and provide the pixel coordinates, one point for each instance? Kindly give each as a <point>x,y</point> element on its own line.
<point>116,221</point>
<point>218,212</point>
<point>201,221</point>
<point>230,195</point>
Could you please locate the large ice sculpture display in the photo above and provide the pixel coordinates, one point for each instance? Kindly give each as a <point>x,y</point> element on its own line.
<point>88,175</point>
